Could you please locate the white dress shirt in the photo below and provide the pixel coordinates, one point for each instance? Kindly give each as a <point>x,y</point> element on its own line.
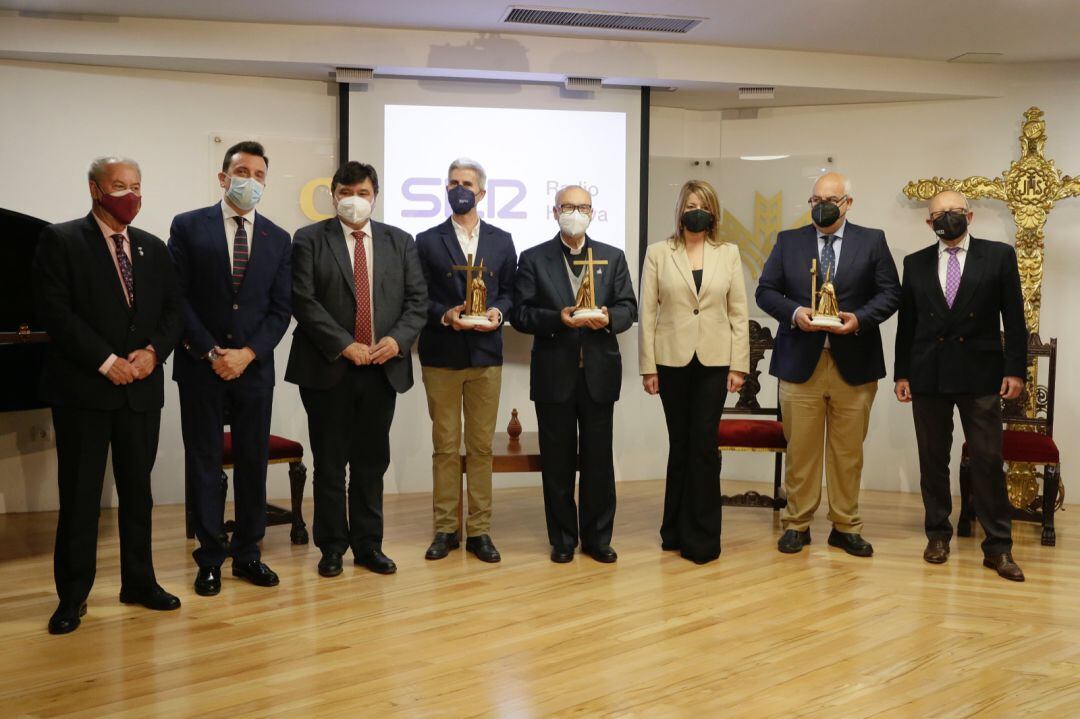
<point>469,240</point>
<point>943,260</point>
<point>228,213</point>
<point>350,243</point>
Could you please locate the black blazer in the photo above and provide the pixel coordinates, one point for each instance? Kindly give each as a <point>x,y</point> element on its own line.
<point>324,302</point>
<point>81,303</point>
<point>866,284</point>
<point>439,251</point>
<point>959,350</point>
<point>541,290</point>
<point>257,316</point>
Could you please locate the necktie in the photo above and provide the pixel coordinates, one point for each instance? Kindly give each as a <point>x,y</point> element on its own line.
<point>362,329</point>
<point>952,276</point>
<point>125,268</point>
<point>828,259</point>
<point>240,254</point>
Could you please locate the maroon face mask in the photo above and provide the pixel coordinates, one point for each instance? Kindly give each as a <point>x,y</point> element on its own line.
<point>123,208</point>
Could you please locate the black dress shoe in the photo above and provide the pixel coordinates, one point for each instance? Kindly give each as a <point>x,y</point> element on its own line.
<point>937,551</point>
<point>851,542</point>
<point>562,555</point>
<point>255,572</point>
<point>671,546</point>
<point>208,581</point>
<point>442,544</point>
<point>157,599</point>
<point>483,548</point>
<point>605,554</point>
<point>330,565</point>
<point>699,558</point>
<point>792,541</point>
<point>376,561</point>
<point>66,618</point>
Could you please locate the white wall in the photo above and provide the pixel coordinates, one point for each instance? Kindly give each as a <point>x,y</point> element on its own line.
<point>63,116</point>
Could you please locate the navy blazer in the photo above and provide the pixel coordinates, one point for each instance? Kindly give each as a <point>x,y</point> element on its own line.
<point>541,290</point>
<point>439,250</point>
<point>256,316</point>
<point>866,284</point>
<point>959,350</point>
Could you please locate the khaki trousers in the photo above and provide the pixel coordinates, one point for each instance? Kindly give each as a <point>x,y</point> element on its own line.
<point>825,418</point>
<point>473,391</point>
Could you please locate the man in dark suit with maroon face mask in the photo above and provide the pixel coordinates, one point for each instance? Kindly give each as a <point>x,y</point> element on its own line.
<point>107,295</point>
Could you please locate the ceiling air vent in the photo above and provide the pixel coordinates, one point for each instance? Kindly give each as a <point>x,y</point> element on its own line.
<point>599,19</point>
<point>354,74</point>
<point>586,84</point>
<point>757,93</point>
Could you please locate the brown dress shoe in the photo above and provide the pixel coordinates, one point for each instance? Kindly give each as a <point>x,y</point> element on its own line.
<point>1004,565</point>
<point>936,552</point>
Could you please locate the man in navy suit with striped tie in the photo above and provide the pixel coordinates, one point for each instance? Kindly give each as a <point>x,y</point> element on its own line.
<point>235,273</point>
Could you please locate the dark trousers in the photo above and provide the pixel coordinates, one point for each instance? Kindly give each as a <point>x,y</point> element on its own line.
<point>202,421</point>
<point>560,425</point>
<point>350,425</point>
<point>83,438</point>
<point>693,397</point>
<point>980,416</point>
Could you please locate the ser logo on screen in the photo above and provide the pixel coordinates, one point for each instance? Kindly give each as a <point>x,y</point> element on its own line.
<point>427,198</point>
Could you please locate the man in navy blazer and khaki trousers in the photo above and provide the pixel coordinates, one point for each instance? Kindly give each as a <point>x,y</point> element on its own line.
<point>234,270</point>
<point>828,380</point>
<point>462,363</point>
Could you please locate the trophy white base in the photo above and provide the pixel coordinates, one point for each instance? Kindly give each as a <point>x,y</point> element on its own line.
<point>588,314</point>
<point>475,320</point>
<point>826,321</point>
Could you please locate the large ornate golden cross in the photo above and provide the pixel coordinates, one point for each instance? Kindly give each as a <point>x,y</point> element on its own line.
<point>1029,188</point>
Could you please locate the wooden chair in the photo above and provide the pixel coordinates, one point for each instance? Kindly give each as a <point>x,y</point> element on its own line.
<point>282,451</point>
<point>1026,440</point>
<point>755,435</point>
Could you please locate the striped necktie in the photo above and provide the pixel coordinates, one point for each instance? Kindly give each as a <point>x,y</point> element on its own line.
<point>124,264</point>
<point>362,327</point>
<point>240,254</point>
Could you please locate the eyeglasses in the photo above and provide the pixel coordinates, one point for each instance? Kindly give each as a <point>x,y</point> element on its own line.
<point>941,213</point>
<point>567,209</point>
<point>815,200</point>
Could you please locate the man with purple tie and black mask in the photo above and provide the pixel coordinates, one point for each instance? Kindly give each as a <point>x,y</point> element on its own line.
<point>957,295</point>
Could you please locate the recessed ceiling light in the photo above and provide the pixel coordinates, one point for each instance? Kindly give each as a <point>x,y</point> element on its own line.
<point>761,158</point>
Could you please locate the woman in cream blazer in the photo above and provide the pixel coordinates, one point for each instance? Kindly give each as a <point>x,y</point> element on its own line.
<point>694,348</point>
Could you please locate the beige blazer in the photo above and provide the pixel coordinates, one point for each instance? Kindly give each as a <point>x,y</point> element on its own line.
<point>676,321</point>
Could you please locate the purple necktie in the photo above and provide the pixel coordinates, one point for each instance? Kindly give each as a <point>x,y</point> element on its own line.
<point>240,254</point>
<point>124,264</point>
<point>952,276</point>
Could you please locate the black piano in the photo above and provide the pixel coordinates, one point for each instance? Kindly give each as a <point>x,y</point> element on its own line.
<point>22,339</point>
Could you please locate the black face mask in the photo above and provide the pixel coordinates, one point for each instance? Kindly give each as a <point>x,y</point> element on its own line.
<point>951,225</point>
<point>825,214</point>
<point>461,199</point>
<point>697,220</point>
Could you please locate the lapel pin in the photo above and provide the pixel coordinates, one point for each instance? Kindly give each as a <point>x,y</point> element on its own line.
<point>139,248</point>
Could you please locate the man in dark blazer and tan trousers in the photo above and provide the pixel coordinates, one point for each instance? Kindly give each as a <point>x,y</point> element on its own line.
<point>107,295</point>
<point>957,294</point>
<point>360,301</point>
<point>828,380</point>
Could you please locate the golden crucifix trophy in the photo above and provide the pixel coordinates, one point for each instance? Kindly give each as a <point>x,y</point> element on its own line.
<point>475,313</point>
<point>585,302</point>
<point>826,311</point>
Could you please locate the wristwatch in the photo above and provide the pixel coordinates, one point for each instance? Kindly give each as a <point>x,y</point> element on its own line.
<point>212,356</point>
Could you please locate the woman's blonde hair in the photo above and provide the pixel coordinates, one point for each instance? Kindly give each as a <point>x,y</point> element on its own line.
<point>709,201</point>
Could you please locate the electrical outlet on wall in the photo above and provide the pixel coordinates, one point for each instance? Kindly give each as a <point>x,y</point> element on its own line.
<point>42,433</point>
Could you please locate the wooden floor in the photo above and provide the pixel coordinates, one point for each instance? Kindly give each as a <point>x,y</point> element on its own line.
<point>755,634</point>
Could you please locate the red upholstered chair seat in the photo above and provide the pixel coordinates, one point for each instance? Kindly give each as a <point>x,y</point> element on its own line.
<point>751,433</point>
<point>281,449</point>
<point>1026,447</point>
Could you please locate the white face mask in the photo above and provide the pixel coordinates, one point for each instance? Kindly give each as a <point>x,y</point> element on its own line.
<point>354,209</point>
<point>574,224</point>
<point>245,192</point>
